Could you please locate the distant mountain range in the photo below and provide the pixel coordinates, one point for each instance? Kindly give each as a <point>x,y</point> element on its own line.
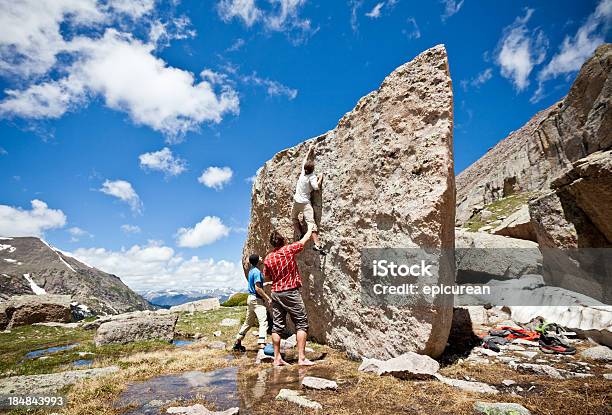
<point>169,298</point>
<point>29,265</point>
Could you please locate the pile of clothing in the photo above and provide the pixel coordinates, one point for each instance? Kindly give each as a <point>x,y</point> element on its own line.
<point>550,337</point>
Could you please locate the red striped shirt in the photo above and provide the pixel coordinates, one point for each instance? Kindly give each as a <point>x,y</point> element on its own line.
<point>282,267</point>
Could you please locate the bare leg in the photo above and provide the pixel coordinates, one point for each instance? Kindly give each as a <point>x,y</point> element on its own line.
<point>278,360</point>
<point>301,345</point>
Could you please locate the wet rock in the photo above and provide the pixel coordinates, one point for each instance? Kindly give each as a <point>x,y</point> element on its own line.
<point>20,310</point>
<point>294,396</point>
<point>500,408</point>
<point>407,366</point>
<point>206,304</point>
<point>199,409</point>
<point>229,322</point>
<point>397,141</point>
<point>467,386</point>
<point>598,353</point>
<point>312,382</point>
<point>49,383</point>
<point>158,327</point>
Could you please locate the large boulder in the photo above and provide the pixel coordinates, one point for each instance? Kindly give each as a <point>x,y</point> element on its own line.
<point>29,309</point>
<point>517,225</point>
<point>206,304</point>
<point>389,182</point>
<point>146,327</point>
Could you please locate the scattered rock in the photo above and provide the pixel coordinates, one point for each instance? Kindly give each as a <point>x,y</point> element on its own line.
<point>20,310</point>
<point>598,353</point>
<point>217,345</point>
<point>263,358</point>
<point>549,371</point>
<point>528,354</point>
<point>294,396</point>
<point>312,382</point>
<point>229,322</point>
<point>49,383</point>
<point>407,366</point>
<point>464,385</point>
<point>508,382</point>
<point>500,408</point>
<point>289,343</point>
<point>528,343</point>
<point>217,333</point>
<point>608,376</point>
<point>483,351</point>
<point>147,327</point>
<point>396,141</point>
<point>206,304</point>
<point>199,409</point>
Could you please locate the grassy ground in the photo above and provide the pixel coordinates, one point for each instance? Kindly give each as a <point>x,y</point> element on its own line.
<point>358,393</point>
<point>500,209</point>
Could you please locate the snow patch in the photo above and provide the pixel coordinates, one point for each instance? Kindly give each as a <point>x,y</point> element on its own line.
<point>12,261</point>
<point>10,248</point>
<point>35,288</point>
<point>65,263</point>
<point>57,252</point>
<point>69,255</point>
<point>4,238</point>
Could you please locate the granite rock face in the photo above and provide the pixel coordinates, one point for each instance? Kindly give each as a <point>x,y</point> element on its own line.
<point>531,157</point>
<point>388,182</point>
<point>29,309</point>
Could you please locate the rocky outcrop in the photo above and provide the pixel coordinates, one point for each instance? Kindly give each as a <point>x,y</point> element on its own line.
<point>518,225</point>
<point>29,265</point>
<point>206,304</point>
<point>146,327</point>
<point>49,383</point>
<point>389,182</point>
<point>529,158</point>
<point>29,309</point>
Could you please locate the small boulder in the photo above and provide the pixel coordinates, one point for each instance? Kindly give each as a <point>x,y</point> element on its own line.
<point>229,322</point>
<point>219,345</point>
<point>407,366</point>
<point>598,353</point>
<point>312,382</point>
<point>467,386</point>
<point>294,396</point>
<point>500,408</point>
<point>199,409</point>
<point>147,327</point>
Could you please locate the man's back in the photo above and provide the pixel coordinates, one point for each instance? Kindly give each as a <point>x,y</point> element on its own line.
<point>282,267</point>
<point>305,185</point>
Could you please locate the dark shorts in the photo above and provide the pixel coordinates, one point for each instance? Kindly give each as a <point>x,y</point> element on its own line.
<point>291,302</point>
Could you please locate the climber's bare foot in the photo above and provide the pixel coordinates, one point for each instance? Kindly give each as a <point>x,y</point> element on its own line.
<point>305,362</point>
<point>280,363</point>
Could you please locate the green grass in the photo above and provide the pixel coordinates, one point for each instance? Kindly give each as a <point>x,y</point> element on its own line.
<point>503,207</point>
<point>207,323</point>
<point>238,299</point>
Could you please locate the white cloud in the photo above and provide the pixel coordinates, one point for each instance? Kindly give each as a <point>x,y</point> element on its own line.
<point>520,50</point>
<point>237,45</point>
<point>355,5</point>
<point>123,191</point>
<point>375,12</point>
<point>412,31</point>
<point>216,177</point>
<point>117,66</point>
<point>451,7</point>
<point>77,233</point>
<point>15,221</point>
<point>164,161</point>
<point>205,232</point>
<point>157,267</point>
<point>3,152</point>
<point>127,228</point>
<point>479,80</point>
<point>273,88</point>
<point>280,16</point>
<point>576,49</point>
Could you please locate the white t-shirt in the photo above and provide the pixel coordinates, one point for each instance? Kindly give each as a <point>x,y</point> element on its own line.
<point>305,185</point>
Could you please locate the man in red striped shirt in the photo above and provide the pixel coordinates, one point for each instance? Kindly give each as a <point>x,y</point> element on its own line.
<point>281,267</point>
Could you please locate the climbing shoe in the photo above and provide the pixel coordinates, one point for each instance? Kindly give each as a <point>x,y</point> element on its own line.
<point>239,348</point>
<point>555,345</point>
<point>320,250</point>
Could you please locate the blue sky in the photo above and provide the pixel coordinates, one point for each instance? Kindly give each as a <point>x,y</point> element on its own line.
<point>134,126</point>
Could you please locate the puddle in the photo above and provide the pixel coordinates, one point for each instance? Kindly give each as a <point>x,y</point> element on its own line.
<point>182,342</point>
<point>225,388</point>
<point>82,362</point>
<point>37,353</point>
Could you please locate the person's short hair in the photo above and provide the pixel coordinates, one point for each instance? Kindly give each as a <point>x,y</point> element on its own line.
<point>309,167</point>
<point>254,259</point>
<point>276,239</point>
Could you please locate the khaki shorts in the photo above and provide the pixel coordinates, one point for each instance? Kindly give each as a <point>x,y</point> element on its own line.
<point>288,302</point>
<point>306,209</point>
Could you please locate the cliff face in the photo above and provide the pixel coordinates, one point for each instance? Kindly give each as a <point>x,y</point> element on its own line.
<point>388,182</point>
<point>30,266</point>
<point>531,157</point>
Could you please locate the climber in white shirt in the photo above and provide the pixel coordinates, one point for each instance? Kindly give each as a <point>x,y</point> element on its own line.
<point>307,182</point>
